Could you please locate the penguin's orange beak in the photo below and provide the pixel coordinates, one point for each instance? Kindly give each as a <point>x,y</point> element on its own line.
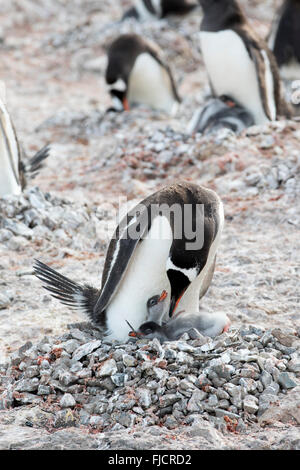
<point>177,302</point>
<point>126,104</point>
<point>163,295</point>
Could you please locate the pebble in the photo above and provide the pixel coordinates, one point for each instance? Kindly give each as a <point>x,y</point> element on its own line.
<point>123,383</point>
<point>250,404</point>
<point>67,401</point>
<point>286,381</point>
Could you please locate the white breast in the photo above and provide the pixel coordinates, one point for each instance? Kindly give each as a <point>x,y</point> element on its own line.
<point>150,84</point>
<point>145,277</point>
<point>231,70</point>
<point>9,173</point>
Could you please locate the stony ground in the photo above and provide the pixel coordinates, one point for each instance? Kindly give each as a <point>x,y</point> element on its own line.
<point>52,63</point>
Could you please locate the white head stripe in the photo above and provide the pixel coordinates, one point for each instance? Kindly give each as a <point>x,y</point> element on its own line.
<point>119,85</point>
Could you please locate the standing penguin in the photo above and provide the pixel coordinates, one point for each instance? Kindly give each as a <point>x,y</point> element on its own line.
<point>149,9</point>
<point>137,74</point>
<point>284,39</point>
<point>168,241</point>
<point>13,171</point>
<point>238,63</point>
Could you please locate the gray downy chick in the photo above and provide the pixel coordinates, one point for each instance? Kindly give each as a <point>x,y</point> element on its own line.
<point>212,324</point>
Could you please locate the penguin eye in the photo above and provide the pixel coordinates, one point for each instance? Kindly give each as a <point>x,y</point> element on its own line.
<point>148,331</point>
<point>152,302</point>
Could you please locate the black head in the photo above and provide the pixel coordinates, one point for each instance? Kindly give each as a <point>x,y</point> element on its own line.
<point>122,54</point>
<point>149,328</point>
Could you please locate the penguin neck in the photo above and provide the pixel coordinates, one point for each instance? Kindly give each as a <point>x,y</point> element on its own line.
<point>214,21</point>
<point>190,299</point>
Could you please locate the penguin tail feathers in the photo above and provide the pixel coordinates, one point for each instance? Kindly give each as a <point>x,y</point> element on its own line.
<point>37,161</point>
<point>83,298</point>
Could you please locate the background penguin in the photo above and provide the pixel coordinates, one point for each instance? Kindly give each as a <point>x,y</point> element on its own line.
<point>220,113</point>
<point>136,74</point>
<point>14,172</point>
<point>146,254</point>
<point>284,39</point>
<point>149,9</point>
<point>238,63</point>
<point>207,324</point>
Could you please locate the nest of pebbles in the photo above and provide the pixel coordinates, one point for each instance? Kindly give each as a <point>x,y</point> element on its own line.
<point>82,379</point>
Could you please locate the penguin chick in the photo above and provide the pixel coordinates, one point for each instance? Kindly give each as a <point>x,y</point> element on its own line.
<point>220,113</point>
<point>136,74</point>
<point>157,307</point>
<point>207,324</point>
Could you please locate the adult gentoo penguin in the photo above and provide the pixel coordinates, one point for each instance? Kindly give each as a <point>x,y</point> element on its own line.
<point>137,74</point>
<point>284,39</point>
<point>167,242</point>
<point>149,9</point>
<point>238,63</point>
<point>14,172</point>
<point>220,113</point>
<point>212,324</point>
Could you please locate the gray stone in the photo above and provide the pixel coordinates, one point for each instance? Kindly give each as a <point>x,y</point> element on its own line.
<point>144,397</point>
<point>195,403</point>
<point>44,390</point>
<point>250,404</point>
<point>286,381</point>
<point>67,401</point>
<point>86,349</point>
<point>108,368</point>
<point>129,361</point>
<point>126,419</point>
<point>27,385</point>
<point>265,378</point>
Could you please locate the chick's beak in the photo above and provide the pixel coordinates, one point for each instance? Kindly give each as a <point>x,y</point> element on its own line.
<point>163,296</point>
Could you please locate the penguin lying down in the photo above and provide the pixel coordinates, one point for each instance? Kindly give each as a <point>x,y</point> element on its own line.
<point>219,113</point>
<point>207,324</point>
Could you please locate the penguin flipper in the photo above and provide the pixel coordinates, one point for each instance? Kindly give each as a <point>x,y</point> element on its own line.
<point>265,64</point>
<point>121,248</point>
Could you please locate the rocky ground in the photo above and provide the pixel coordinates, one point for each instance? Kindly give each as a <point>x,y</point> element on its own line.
<point>60,385</point>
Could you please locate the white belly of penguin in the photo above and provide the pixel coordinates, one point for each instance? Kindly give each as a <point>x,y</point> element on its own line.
<point>8,158</point>
<point>145,277</point>
<point>150,84</point>
<point>231,70</point>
